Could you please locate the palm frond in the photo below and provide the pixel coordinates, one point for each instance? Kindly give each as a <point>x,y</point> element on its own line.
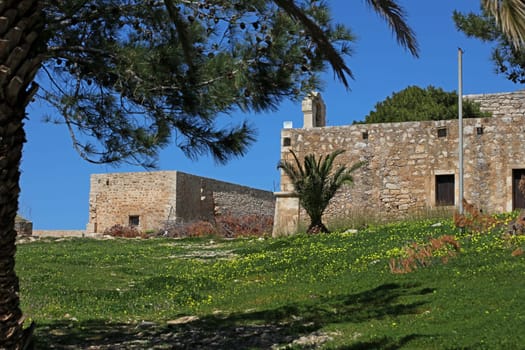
<point>315,182</point>
<point>510,15</point>
<point>318,36</point>
<point>394,15</point>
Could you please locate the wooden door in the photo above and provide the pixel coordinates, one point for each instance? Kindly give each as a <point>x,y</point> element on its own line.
<point>518,200</point>
<point>445,189</point>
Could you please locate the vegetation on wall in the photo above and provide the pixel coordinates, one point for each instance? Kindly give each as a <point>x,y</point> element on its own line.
<point>415,103</point>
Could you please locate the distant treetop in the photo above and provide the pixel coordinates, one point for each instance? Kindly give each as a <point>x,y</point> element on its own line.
<point>417,104</point>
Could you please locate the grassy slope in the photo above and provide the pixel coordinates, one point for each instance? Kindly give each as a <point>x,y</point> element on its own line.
<point>83,291</point>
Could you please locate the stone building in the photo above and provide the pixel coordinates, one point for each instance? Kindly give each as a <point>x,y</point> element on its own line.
<point>23,227</point>
<point>412,166</point>
<point>151,200</point>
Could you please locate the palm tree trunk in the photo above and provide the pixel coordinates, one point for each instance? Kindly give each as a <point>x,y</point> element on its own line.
<point>11,140</point>
<point>20,23</point>
<point>317,226</point>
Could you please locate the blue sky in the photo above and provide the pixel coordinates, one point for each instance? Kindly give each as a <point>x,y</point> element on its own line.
<point>55,180</point>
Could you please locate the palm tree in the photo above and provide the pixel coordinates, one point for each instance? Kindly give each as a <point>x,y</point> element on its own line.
<point>19,61</point>
<point>510,15</point>
<point>316,184</point>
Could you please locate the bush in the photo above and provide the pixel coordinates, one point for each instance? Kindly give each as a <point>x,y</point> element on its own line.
<point>246,225</point>
<point>225,225</point>
<point>124,231</point>
<point>192,229</point>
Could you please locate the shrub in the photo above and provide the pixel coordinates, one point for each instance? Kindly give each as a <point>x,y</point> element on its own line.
<point>124,231</point>
<point>225,225</point>
<point>245,225</point>
<point>474,220</point>
<point>422,255</point>
<point>192,229</point>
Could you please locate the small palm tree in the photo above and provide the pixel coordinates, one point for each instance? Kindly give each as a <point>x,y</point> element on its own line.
<point>316,184</point>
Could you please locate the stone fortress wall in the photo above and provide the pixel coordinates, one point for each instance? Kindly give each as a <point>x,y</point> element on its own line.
<point>406,162</point>
<point>150,200</point>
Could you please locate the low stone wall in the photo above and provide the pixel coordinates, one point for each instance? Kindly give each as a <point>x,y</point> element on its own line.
<point>240,200</point>
<point>510,104</point>
<point>23,227</point>
<point>61,233</point>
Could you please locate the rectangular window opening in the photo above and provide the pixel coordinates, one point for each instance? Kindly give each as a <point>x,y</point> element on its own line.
<point>442,132</point>
<point>365,135</point>
<point>287,142</point>
<point>445,190</point>
<point>479,130</point>
<point>518,197</point>
<point>134,220</point>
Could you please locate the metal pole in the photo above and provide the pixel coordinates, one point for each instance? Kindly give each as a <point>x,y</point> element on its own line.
<point>460,128</point>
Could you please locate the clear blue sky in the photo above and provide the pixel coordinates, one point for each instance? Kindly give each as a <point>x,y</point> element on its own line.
<point>55,180</point>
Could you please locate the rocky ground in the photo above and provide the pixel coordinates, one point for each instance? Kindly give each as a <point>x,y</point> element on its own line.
<point>183,333</point>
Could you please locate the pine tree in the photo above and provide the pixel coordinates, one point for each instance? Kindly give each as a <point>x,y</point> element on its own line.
<point>508,58</point>
<point>414,103</point>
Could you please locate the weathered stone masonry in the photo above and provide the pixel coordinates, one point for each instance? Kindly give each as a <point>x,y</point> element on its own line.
<point>152,199</point>
<point>406,162</point>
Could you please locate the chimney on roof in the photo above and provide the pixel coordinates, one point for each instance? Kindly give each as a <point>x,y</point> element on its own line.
<point>314,111</point>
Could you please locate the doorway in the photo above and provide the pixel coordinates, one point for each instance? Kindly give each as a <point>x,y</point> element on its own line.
<point>518,200</point>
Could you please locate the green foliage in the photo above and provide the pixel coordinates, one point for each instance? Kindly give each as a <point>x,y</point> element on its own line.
<point>508,60</point>
<point>316,183</point>
<point>415,103</point>
<point>98,293</point>
<point>130,77</point>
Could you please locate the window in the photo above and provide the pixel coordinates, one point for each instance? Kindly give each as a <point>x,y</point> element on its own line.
<point>479,130</point>
<point>442,132</point>
<point>134,220</point>
<point>445,189</point>
<point>365,135</point>
<point>287,142</point>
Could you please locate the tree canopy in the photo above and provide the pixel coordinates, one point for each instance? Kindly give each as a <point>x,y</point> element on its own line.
<point>171,68</point>
<point>508,58</point>
<point>415,103</point>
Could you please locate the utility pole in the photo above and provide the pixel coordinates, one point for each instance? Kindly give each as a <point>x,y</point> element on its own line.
<point>460,128</point>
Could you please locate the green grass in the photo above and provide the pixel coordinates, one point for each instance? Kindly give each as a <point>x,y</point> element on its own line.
<point>252,293</point>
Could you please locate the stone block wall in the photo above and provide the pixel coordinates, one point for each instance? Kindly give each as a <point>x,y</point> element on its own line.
<point>115,197</point>
<point>23,227</point>
<point>231,199</point>
<point>163,197</point>
<point>403,160</point>
<point>503,104</point>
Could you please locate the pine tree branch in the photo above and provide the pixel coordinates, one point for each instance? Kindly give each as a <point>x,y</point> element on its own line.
<point>321,40</point>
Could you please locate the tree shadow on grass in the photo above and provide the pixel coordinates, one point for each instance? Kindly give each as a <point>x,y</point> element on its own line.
<point>383,343</point>
<point>250,330</point>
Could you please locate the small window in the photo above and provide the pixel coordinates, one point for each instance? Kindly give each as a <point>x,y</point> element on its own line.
<point>445,190</point>
<point>442,132</point>
<point>479,130</point>
<point>365,135</point>
<point>287,142</point>
<point>134,220</point>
